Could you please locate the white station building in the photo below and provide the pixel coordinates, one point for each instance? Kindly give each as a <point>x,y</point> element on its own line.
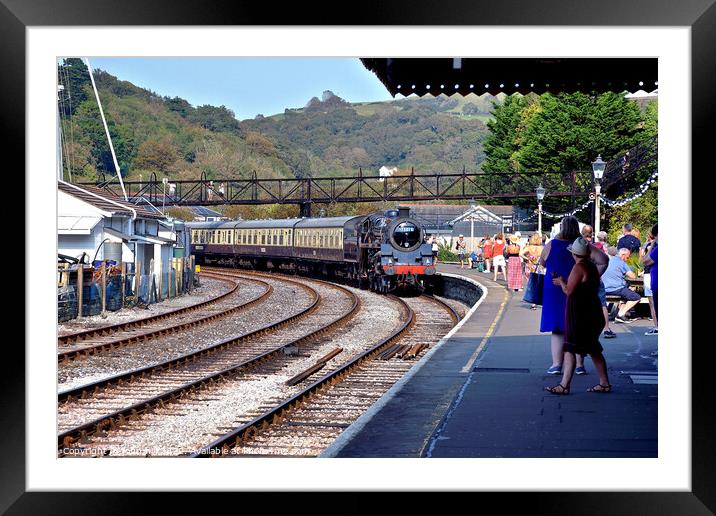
<point>104,227</point>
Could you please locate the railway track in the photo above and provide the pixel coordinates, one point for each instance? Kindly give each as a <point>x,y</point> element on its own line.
<point>203,409</point>
<point>80,336</point>
<point>137,392</point>
<point>109,338</point>
<point>309,421</point>
<point>166,348</point>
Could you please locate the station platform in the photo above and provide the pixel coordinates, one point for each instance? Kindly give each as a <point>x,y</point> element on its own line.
<point>480,394</point>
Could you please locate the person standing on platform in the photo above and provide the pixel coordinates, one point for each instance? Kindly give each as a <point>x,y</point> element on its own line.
<point>487,245</point>
<point>435,248</point>
<point>461,246</point>
<point>601,260</point>
<point>628,240</point>
<point>498,256</point>
<point>601,242</point>
<point>557,260</point>
<point>651,260</point>
<point>582,318</point>
<point>514,264</point>
<point>530,254</point>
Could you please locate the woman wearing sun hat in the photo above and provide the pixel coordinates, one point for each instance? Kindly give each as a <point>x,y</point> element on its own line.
<point>583,318</point>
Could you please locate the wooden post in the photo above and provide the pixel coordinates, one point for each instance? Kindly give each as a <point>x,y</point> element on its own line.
<point>156,281</point>
<point>124,279</point>
<point>154,288</point>
<point>193,271</point>
<point>64,275</point>
<point>80,286</point>
<point>176,276</point>
<point>137,279</point>
<point>180,275</point>
<point>103,271</point>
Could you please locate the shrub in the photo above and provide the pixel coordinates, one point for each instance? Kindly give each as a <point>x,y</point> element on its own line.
<point>445,254</point>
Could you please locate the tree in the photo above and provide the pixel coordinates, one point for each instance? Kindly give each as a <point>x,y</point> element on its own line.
<point>260,144</point>
<point>180,212</point>
<point>470,109</point>
<point>217,119</point>
<point>571,129</point>
<point>178,105</point>
<point>74,78</point>
<point>155,155</point>
<point>501,143</point>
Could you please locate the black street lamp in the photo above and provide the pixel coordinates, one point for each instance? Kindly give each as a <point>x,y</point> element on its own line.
<point>540,191</point>
<point>598,167</point>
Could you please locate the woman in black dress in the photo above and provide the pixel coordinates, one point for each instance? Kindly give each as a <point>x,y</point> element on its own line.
<point>583,319</point>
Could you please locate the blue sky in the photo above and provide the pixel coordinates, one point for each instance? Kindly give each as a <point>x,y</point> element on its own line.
<point>248,86</point>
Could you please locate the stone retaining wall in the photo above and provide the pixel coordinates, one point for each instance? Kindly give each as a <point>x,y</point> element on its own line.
<point>456,288</point>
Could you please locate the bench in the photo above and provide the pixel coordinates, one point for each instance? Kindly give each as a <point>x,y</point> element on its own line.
<point>613,304</point>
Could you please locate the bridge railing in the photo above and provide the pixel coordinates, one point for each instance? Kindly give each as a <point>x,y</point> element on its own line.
<point>360,188</point>
<point>402,186</point>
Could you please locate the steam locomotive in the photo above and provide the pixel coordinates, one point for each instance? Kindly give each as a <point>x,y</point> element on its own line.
<point>384,251</point>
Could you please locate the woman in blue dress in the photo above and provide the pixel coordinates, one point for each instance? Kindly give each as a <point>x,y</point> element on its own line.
<point>558,261</point>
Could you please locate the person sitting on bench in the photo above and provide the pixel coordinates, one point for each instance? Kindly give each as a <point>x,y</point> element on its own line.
<point>615,282</point>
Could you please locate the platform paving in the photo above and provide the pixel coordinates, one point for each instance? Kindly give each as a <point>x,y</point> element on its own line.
<point>481,394</point>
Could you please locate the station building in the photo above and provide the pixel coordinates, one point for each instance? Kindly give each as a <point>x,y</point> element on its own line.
<point>448,221</point>
<point>101,226</point>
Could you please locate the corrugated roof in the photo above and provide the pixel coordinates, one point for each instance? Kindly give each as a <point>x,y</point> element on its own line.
<point>204,212</point>
<point>106,201</point>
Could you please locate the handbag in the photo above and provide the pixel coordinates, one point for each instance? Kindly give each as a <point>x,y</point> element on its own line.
<point>534,289</point>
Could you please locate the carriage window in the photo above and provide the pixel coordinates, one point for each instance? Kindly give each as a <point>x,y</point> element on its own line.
<point>263,238</point>
<point>280,239</point>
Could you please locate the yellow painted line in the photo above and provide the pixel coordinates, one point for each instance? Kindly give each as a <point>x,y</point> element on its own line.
<point>471,361</point>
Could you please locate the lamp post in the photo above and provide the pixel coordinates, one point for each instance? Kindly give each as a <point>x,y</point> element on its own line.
<point>472,224</point>
<point>540,196</point>
<point>598,167</point>
<point>164,195</point>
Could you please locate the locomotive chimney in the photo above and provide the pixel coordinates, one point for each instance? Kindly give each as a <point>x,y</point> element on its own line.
<point>403,211</point>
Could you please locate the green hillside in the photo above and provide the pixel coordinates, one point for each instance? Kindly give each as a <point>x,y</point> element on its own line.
<point>168,136</point>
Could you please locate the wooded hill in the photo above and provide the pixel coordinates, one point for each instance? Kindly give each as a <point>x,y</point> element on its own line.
<point>329,136</point>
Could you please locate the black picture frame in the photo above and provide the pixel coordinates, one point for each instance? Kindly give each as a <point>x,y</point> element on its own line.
<point>700,15</point>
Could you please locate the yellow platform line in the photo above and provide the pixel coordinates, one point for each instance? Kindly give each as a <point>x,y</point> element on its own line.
<point>471,361</point>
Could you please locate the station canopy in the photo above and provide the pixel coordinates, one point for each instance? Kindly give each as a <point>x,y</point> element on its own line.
<point>421,76</point>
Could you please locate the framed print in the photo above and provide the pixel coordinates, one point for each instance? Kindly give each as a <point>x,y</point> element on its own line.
<point>31,31</point>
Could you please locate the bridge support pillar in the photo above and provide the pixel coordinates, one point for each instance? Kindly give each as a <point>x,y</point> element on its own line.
<point>305,209</point>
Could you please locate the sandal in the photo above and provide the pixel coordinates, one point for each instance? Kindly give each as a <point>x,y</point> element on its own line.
<point>601,388</point>
<point>557,389</point>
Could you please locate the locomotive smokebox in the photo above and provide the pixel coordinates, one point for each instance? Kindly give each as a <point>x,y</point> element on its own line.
<point>403,212</point>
